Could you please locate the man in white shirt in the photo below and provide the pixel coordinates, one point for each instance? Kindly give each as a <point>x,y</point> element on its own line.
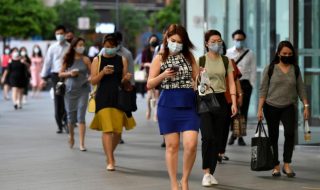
<point>246,63</point>
<point>51,68</point>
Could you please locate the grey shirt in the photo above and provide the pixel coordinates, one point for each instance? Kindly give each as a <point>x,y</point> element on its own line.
<point>283,89</point>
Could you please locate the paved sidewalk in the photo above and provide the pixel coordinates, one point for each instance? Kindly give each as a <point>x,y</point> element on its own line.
<point>34,157</point>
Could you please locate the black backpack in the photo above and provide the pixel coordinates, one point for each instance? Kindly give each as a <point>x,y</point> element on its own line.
<point>202,62</point>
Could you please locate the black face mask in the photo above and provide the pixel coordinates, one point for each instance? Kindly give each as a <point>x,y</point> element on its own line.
<point>154,44</point>
<point>287,59</point>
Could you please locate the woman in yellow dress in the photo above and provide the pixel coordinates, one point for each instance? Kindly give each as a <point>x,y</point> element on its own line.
<point>108,72</point>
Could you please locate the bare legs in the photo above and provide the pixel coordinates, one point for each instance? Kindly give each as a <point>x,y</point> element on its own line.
<point>6,89</point>
<point>110,142</point>
<point>17,97</point>
<point>152,99</point>
<point>82,132</point>
<point>189,155</point>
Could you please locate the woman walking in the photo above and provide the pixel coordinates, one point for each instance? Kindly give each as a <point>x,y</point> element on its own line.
<point>280,88</point>
<point>175,69</point>
<point>35,69</point>
<point>75,69</point>
<point>217,67</point>
<point>109,71</point>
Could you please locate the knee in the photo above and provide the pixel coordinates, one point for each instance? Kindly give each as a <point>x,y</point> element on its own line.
<point>172,147</point>
<point>190,147</point>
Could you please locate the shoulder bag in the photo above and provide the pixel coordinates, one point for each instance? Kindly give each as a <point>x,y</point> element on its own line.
<point>92,96</point>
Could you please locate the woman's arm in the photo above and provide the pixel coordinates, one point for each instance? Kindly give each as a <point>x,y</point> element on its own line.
<point>260,106</point>
<point>97,75</point>
<point>87,62</point>
<point>125,75</point>
<point>155,78</point>
<point>232,89</point>
<point>4,76</point>
<point>195,68</point>
<point>239,93</point>
<point>63,73</point>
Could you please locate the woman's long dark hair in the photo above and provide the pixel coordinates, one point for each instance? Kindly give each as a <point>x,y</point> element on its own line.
<point>282,44</point>
<point>69,57</point>
<point>34,53</point>
<point>187,44</point>
<point>26,56</point>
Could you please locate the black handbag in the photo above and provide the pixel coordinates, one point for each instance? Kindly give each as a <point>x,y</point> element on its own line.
<point>60,88</point>
<point>127,98</point>
<point>207,103</point>
<point>261,151</point>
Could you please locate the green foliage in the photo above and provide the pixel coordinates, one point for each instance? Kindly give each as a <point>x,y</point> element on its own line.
<point>69,11</point>
<point>25,18</point>
<point>131,23</point>
<point>168,15</point>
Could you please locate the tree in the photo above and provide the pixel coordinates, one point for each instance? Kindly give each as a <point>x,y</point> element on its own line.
<point>70,10</point>
<point>25,18</point>
<point>168,15</point>
<point>131,23</point>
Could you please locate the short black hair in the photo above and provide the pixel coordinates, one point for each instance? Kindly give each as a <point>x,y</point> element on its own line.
<point>60,27</point>
<point>112,38</point>
<point>239,31</point>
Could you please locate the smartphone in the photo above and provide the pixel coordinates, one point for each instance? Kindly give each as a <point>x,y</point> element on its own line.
<point>110,67</point>
<point>175,68</point>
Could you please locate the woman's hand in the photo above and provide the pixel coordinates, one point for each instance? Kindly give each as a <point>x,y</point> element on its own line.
<point>107,70</point>
<point>234,110</point>
<point>306,113</point>
<point>260,115</point>
<point>240,100</point>
<point>73,73</point>
<point>127,76</point>
<point>168,73</point>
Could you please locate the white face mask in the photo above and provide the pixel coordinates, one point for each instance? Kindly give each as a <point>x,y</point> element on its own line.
<point>59,37</point>
<point>7,51</point>
<point>15,55</point>
<point>79,50</point>
<point>174,47</point>
<point>36,50</point>
<point>23,53</point>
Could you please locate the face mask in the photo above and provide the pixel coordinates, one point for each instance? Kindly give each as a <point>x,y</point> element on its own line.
<point>215,47</point>
<point>79,50</point>
<point>36,50</point>
<point>153,44</point>
<point>174,47</point>
<point>239,44</point>
<point>60,37</point>
<point>15,55</point>
<point>23,53</point>
<point>7,51</point>
<point>287,59</point>
<point>110,51</point>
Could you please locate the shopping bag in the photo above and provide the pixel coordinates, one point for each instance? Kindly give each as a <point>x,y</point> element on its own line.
<point>239,126</point>
<point>261,151</point>
<point>140,76</point>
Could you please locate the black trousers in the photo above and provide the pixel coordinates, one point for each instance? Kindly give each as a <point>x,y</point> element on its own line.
<point>225,130</point>
<point>247,90</point>
<point>211,132</point>
<point>287,116</point>
<point>59,107</point>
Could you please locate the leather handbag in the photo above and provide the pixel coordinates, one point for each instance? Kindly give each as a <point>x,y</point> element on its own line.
<point>207,103</point>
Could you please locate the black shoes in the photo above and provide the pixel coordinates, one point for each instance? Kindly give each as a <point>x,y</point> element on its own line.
<point>291,174</point>
<point>231,140</point>
<point>121,141</point>
<point>59,131</point>
<point>241,142</point>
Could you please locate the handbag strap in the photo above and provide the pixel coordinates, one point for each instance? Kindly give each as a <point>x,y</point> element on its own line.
<point>96,86</point>
<point>261,128</point>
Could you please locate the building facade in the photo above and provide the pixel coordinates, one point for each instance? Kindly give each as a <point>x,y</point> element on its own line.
<point>266,23</point>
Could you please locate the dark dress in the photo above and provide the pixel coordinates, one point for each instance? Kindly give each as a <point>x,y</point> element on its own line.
<point>108,118</point>
<point>17,72</point>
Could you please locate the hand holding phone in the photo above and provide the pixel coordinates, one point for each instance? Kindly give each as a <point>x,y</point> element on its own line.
<point>175,68</point>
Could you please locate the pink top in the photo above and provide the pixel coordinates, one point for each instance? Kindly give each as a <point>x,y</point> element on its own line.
<point>5,60</point>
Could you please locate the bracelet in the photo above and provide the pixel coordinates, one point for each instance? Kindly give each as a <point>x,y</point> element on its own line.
<point>240,94</point>
<point>306,105</point>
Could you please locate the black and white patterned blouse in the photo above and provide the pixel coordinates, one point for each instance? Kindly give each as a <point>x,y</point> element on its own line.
<point>183,78</point>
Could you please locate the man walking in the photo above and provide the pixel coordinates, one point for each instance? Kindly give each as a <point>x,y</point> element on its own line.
<point>51,68</point>
<point>246,63</point>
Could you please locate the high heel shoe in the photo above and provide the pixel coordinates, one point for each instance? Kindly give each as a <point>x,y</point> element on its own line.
<point>291,174</point>
<point>82,148</point>
<point>110,168</point>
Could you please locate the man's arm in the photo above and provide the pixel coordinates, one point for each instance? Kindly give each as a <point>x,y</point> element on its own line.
<point>47,64</point>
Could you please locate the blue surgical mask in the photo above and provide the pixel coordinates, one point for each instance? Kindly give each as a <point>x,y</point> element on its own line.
<point>7,51</point>
<point>110,51</point>
<point>174,47</point>
<point>239,44</point>
<point>60,37</point>
<point>215,47</point>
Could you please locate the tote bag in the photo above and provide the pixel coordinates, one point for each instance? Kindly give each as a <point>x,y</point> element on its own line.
<point>261,151</point>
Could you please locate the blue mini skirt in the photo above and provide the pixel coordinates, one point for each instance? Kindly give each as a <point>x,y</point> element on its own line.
<point>177,111</point>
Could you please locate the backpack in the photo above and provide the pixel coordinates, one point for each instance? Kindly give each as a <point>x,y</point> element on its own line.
<point>202,62</point>
<point>271,68</point>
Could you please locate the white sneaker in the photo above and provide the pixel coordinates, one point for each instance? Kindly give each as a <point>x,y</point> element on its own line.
<point>206,180</point>
<point>213,180</point>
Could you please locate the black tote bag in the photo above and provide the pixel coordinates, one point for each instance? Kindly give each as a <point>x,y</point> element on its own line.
<point>207,103</point>
<point>261,151</point>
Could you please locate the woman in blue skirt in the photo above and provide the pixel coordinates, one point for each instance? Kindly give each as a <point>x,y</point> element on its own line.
<point>175,69</point>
